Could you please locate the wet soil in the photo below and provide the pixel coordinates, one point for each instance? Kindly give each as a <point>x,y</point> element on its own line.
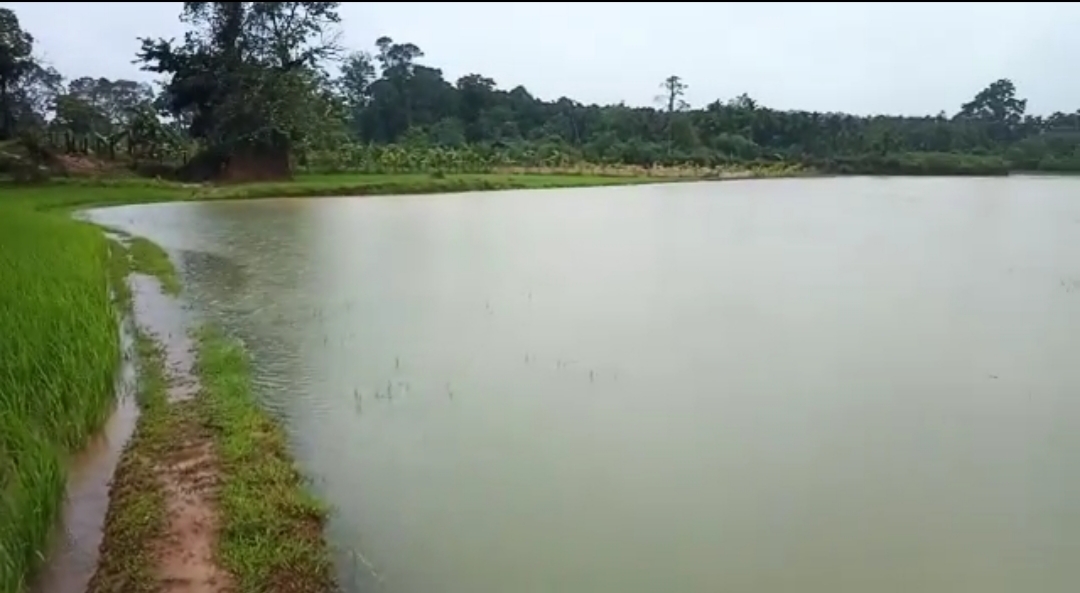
<point>187,471</point>
<point>189,481</point>
<point>174,458</point>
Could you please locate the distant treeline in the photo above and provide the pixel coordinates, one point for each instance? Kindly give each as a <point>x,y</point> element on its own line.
<point>244,92</point>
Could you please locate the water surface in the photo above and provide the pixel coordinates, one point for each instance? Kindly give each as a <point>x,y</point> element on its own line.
<point>840,385</point>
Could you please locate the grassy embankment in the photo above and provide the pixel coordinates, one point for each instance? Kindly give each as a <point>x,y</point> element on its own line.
<point>915,164</point>
<point>61,352</point>
<point>83,191</point>
<point>271,536</point>
<point>270,531</point>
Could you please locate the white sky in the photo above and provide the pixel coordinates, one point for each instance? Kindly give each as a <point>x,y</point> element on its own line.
<point>909,58</point>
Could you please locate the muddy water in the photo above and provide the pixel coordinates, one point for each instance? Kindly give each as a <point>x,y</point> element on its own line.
<point>169,321</point>
<point>794,385</point>
<point>74,552</point>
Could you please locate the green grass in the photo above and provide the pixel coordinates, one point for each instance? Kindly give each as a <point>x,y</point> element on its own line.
<point>59,354</point>
<point>150,259</point>
<point>82,192</point>
<point>270,536</point>
<point>363,185</point>
<point>136,515</point>
<point>119,268</point>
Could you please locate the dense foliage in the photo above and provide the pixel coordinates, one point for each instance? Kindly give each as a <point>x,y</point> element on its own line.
<point>263,86</point>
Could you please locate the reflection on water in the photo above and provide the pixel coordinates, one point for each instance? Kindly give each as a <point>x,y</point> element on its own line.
<point>798,385</point>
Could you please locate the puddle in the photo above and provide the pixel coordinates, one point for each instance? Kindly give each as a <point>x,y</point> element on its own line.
<point>169,322</point>
<point>74,554</point>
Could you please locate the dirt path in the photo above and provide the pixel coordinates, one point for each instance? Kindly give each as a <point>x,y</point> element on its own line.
<point>172,525</point>
<point>189,481</point>
<point>162,526</point>
<point>185,466</point>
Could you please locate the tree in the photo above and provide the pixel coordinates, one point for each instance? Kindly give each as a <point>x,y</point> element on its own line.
<point>674,90</point>
<point>357,74</point>
<point>996,103</point>
<point>101,106</point>
<point>998,106</point>
<point>34,96</point>
<point>249,74</point>
<point>16,63</point>
<point>116,100</point>
<point>354,87</point>
<point>476,94</point>
<point>397,61</point>
<point>743,102</point>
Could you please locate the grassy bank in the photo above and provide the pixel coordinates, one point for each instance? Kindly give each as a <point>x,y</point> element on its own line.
<point>146,257</point>
<point>915,164</point>
<point>271,535</point>
<point>82,192</point>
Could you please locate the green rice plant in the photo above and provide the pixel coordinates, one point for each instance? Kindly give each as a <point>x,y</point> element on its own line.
<point>59,350</point>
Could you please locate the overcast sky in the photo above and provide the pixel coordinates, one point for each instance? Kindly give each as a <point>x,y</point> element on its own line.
<point>910,58</point>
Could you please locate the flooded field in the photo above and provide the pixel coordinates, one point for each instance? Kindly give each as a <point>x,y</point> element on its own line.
<point>840,385</point>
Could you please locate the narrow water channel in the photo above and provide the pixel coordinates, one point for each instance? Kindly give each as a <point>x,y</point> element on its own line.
<point>74,553</point>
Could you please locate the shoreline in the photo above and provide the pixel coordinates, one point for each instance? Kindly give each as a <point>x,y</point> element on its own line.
<point>77,193</point>
<point>205,494</point>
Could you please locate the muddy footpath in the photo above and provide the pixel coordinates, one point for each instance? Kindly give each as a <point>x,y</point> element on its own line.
<point>159,364</point>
